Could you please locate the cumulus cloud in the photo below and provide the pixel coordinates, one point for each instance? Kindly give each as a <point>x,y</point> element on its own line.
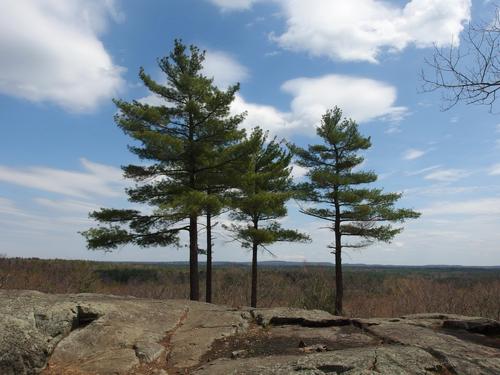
<point>51,52</point>
<point>265,116</point>
<point>224,68</point>
<point>361,99</point>
<point>412,154</point>
<point>361,30</point>
<point>96,179</point>
<point>219,65</point>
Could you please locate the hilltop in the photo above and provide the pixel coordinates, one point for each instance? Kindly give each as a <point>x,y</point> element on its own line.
<point>100,334</point>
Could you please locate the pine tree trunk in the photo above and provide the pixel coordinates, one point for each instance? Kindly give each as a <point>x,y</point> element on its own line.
<point>339,287</point>
<point>208,296</point>
<point>194,294</point>
<point>253,298</point>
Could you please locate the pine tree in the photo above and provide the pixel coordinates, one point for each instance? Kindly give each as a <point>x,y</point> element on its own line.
<point>264,188</point>
<point>219,183</point>
<point>177,140</point>
<point>336,196</point>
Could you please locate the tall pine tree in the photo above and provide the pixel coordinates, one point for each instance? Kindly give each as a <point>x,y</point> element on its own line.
<point>338,195</point>
<point>219,183</point>
<point>265,185</point>
<point>177,142</point>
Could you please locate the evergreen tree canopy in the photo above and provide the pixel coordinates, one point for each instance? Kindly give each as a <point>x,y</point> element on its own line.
<point>265,185</point>
<point>264,188</point>
<point>183,144</point>
<point>337,193</point>
<point>219,181</point>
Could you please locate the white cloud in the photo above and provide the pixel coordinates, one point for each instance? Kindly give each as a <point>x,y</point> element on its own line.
<point>96,179</point>
<point>423,170</point>
<point>67,205</point>
<point>360,30</point>
<point>298,172</point>
<point>495,170</point>
<point>153,100</point>
<point>447,175</point>
<point>413,153</point>
<point>393,128</point>
<point>51,52</point>
<point>483,206</point>
<point>361,99</point>
<point>265,116</point>
<point>219,65</point>
<point>229,5</point>
<point>225,69</point>
<point>440,190</point>
<point>385,175</point>
<point>8,207</point>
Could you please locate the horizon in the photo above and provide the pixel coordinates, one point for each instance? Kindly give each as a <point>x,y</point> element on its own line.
<point>61,151</point>
<point>263,263</point>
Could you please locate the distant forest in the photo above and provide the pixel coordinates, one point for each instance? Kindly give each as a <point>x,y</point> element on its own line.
<point>384,291</point>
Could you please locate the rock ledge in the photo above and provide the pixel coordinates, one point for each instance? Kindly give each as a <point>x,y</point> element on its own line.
<point>99,334</point>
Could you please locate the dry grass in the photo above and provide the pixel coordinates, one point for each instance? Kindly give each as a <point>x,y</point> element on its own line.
<point>369,292</point>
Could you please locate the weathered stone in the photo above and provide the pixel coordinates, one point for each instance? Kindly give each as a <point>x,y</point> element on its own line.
<point>476,325</point>
<point>458,355</point>
<point>22,349</point>
<point>306,318</point>
<point>96,334</point>
<point>333,337</point>
<point>202,326</point>
<point>109,344</point>
<point>384,360</point>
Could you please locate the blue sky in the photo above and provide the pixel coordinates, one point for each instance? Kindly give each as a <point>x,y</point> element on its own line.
<point>60,151</point>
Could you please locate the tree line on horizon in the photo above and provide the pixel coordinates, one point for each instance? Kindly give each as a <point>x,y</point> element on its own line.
<point>199,163</point>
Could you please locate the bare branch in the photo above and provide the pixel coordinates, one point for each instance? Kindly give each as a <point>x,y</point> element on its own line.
<point>469,73</point>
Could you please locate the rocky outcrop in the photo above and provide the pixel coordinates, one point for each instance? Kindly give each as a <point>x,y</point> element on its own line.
<point>98,334</point>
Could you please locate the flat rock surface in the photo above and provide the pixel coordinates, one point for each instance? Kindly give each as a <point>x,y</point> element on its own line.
<point>99,334</point>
